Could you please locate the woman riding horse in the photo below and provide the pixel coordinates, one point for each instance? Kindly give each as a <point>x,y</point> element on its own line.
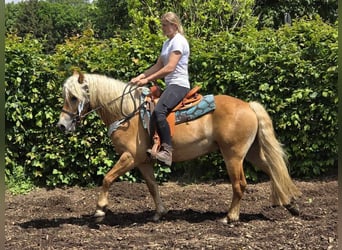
<point>173,65</point>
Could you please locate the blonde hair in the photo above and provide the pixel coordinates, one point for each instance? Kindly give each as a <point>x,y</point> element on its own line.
<point>172,17</point>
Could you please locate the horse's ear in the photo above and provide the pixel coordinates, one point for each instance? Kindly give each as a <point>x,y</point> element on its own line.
<point>80,78</point>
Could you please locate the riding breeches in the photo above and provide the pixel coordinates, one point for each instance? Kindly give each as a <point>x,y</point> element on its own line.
<point>170,97</point>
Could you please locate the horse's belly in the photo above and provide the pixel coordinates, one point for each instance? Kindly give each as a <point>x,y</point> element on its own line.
<point>192,151</point>
<point>193,139</point>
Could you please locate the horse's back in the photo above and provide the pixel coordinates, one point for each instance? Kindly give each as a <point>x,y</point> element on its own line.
<point>227,103</point>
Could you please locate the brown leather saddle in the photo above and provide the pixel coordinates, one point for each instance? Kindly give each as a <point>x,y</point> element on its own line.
<point>191,99</point>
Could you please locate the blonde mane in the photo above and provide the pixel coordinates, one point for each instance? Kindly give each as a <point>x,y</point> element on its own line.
<point>100,90</point>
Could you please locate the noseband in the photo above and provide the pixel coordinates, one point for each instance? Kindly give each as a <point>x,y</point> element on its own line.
<point>76,118</point>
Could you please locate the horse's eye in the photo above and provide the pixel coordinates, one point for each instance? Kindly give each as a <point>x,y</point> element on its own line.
<point>73,99</point>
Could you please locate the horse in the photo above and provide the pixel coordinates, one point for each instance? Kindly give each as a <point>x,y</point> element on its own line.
<point>239,130</point>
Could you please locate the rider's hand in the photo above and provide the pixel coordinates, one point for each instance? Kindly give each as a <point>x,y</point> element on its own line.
<point>136,80</point>
<point>142,82</point>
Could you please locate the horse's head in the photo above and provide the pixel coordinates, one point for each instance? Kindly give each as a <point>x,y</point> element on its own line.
<point>76,102</point>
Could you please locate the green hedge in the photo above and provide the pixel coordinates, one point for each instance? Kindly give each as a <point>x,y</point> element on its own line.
<point>292,71</point>
<point>30,112</point>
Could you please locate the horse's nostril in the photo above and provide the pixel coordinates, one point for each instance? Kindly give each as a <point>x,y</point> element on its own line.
<point>61,127</point>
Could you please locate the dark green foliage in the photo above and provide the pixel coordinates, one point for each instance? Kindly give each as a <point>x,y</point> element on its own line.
<point>49,21</point>
<point>112,18</point>
<point>272,13</point>
<point>201,18</point>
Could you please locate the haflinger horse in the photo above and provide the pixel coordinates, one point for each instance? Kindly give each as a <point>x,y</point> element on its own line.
<point>239,130</point>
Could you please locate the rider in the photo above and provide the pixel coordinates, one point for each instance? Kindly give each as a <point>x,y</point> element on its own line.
<point>172,64</point>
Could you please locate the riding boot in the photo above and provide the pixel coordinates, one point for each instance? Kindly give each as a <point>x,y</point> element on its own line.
<point>165,154</point>
<point>164,133</point>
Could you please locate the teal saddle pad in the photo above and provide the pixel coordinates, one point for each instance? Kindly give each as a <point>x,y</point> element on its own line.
<point>206,105</point>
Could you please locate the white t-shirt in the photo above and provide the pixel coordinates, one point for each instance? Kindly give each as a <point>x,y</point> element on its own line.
<point>180,75</point>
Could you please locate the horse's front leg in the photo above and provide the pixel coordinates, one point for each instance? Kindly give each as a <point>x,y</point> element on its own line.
<point>124,164</point>
<point>148,174</point>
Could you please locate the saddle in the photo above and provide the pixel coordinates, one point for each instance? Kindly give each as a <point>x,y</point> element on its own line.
<point>191,99</point>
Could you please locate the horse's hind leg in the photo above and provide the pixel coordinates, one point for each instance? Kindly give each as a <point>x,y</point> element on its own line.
<point>148,174</point>
<point>236,174</point>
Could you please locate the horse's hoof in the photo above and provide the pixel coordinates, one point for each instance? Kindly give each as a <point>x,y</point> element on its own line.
<point>156,217</point>
<point>224,221</point>
<point>98,220</point>
<point>159,215</point>
<point>227,220</point>
<point>293,209</point>
<point>99,213</point>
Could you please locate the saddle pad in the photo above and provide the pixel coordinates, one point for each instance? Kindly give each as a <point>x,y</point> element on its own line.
<point>206,105</point>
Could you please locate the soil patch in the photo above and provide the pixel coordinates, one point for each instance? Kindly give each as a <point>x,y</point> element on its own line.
<point>61,218</point>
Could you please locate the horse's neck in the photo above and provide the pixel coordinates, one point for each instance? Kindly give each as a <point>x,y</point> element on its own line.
<point>106,116</point>
<point>105,109</point>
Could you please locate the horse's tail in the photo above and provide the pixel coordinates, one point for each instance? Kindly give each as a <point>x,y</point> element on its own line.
<point>272,159</point>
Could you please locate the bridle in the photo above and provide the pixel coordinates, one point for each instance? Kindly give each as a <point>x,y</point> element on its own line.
<point>78,116</point>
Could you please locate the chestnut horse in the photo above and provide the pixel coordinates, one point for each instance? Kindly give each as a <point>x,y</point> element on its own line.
<point>239,130</point>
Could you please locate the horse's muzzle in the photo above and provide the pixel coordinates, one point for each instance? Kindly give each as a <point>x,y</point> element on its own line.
<point>61,127</point>
<point>66,126</point>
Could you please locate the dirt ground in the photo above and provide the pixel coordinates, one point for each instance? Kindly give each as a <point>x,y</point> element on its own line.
<point>61,218</point>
